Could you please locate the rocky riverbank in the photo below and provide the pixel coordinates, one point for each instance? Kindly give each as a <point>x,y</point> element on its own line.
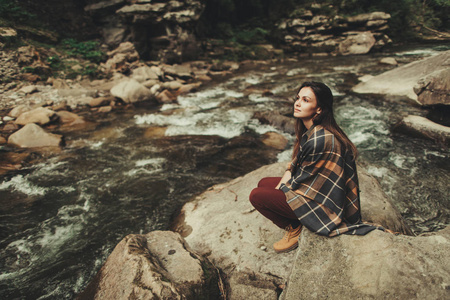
<point>222,239</point>
<point>220,229</point>
<point>221,226</point>
<point>427,83</point>
<point>36,113</point>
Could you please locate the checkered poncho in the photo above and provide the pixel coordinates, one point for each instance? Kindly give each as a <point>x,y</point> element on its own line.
<point>323,190</point>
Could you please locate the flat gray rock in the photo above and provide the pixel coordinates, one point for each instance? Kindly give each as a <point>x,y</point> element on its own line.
<point>222,225</point>
<point>401,81</point>
<point>378,265</point>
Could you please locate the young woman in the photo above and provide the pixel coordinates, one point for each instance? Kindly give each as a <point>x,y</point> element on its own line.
<point>319,189</point>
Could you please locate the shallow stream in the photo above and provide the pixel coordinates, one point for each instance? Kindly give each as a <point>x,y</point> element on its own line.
<point>132,172</point>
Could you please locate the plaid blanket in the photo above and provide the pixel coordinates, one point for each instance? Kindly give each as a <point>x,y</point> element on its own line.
<point>323,190</point>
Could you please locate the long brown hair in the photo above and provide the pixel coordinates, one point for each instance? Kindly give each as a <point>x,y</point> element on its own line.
<point>325,118</point>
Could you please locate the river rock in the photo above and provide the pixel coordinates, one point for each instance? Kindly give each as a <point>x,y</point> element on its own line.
<point>18,110</point>
<point>125,48</point>
<point>172,85</point>
<point>7,35</point>
<point>240,239</point>
<point>374,16</point>
<point>378,265</point>
<point>105,109</point>
<point>7,119</point>
<point>131,91</point>
<point>359,43</point>
<point>187,88</point>
<point>180,71</point>
<point>426,128</point>
<point>121,58</point>
<point>10,127</point>
<point>143,74</point>
<point>281,122</point>
<point>32,135</point>
<point>60,84</point>
<point>166,97</point>
<point>275,140</point>
<point>102,5</point>
<point>434,88</point>
<point>157,265</point>
<point>69,118</point>
<point>26,55</point>
<point>401,81</point>
<point>149,83</point>
<point>95,102</point>
<point>38,115</point>
<point>29,89</point>
<point>389,61</point>
<point>77,92</point>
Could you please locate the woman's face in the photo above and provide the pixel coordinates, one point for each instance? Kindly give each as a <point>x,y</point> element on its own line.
<point>305,106</point>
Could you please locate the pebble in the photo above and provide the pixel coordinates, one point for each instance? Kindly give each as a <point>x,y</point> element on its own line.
<point>263,248</point>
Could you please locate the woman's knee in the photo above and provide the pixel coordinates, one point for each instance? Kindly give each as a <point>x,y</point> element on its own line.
<point>255,200</point>
<point>270,182</point>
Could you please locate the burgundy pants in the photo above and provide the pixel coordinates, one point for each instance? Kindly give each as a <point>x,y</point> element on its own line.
<point>271,203</point>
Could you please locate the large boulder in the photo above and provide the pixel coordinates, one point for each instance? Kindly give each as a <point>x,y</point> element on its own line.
<point>358,43</point>
<point>378,265</point>
<point>32,135</point>
<point>161,30</point>
<point>131,91</point>
<point>275,140</point>
<point>157,265</point>
<point>434,88</point>
<point>401,81</point>
<point>222,224</point>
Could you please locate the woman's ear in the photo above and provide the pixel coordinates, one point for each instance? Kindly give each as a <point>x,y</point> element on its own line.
<point>319,110</point>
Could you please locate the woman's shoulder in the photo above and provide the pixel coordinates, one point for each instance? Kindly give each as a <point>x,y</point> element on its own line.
<point>321,133</point>
<point>320,138</point>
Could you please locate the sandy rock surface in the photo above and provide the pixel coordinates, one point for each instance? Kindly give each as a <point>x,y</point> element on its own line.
<point>401,81</point>
<point>222,224</point>
<point>375,266</point>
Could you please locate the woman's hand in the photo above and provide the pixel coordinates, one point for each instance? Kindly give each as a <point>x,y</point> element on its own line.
<point>287,175</point>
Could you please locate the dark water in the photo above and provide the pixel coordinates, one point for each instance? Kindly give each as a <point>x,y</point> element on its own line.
<point>62,217</point>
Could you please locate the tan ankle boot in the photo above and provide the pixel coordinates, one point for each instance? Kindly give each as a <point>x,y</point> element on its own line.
<point>289,241</point>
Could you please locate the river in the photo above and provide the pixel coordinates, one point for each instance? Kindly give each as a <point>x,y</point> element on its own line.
<point>62,216</point>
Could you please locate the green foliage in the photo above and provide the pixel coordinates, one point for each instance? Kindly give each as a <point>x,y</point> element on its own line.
<point>225,30</point>
<point>251,36</point>
<point>435,14</point>
<point>54,62</point>
<point>90,70</point>
<point>88,50</point>
<point>11,11</point>
<point>28,70</point>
